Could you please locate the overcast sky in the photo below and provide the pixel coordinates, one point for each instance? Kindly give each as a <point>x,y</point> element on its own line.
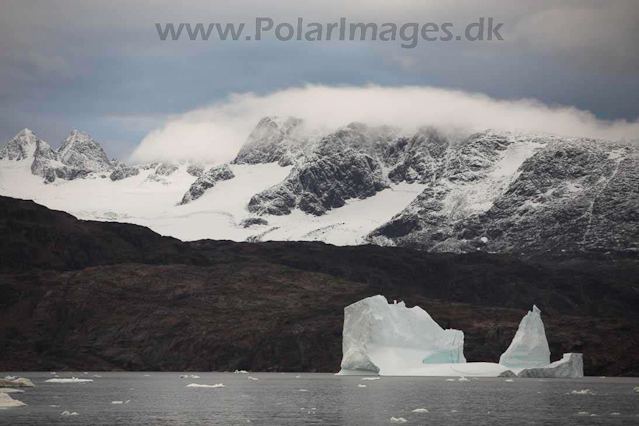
<point>72,64</point>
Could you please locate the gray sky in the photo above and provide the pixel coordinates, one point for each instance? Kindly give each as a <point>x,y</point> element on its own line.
<point>101,67</point>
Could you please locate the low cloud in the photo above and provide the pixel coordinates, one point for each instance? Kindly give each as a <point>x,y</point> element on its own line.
<point>216,133</point>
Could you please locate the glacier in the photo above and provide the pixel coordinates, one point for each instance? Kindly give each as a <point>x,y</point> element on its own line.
<point>394,340</point>
<point>529,348</point>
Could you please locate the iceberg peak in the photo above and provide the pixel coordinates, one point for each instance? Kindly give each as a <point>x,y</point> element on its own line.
<point>529,347</point>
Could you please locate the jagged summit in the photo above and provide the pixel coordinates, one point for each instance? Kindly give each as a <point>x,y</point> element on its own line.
<point>22,146</point>
<point>274,139</point>
<point>81,151</point>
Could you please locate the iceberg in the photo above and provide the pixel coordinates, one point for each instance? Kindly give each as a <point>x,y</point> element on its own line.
<point>529,348</point>
<point>7,402</point>
<point>393,340</point>
<point>571,366</point>
<point>71,380</point>
<point>385,338</point>
<point>16,382</point>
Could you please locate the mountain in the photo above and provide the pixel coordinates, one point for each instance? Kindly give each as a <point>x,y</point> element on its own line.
<point>429,189</point>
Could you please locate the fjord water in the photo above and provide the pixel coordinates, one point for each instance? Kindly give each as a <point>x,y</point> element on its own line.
<point>320,399</point>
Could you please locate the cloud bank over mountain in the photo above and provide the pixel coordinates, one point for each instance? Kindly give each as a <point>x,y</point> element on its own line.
<point>216,133</point>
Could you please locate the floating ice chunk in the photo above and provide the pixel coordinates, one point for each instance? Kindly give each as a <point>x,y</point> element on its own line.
<point>7,402</point>
<point>298,376</point>
<point>54,406</point>
<point>463,379</point>
<point>583,413</point>
<point>615,414</point>
<point>303,390</point>
<point>197,385</point>
<point>386,338</point>
<point>509,380</point>
<point>147,375</point>
<point>582,392</point>
<point>70,413</point>
<point>361,386</point>
<point>420,410</point>
<point>241,372</point>
<point>252,378</point>
<point>117,402</point>
<point>637,389</point>
<point>15,382</point>
<point>370,378</point>
<point>71,380</point>
<point>194,376</point>
<point>97,375</point>
<point>570,366</point>
<point>398,420</point>
<point>529,348</point>
<point>127,401</point>
<point>450,380</point>
<point>10,390</point>
<point>184,376</point>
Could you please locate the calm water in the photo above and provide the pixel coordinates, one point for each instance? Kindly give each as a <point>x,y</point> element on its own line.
<point>276,399</point>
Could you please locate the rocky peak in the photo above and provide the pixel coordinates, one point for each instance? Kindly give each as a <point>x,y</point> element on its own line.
<point>80,150</point>
<point>22,146</point>
<point>207,181</point>
<point>274,139</point>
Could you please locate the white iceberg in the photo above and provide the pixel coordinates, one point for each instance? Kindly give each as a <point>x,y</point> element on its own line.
<point>393,340</point>
<point>7,402</point>
<point>385,338</point>
<point>15,382</point>
<point>420,410</point>
<point>571,366</point>
<point>69,413</point>
<point>197,385</point>
<point>529,348</point>
<point>398,420</point>
<point>71,380</point>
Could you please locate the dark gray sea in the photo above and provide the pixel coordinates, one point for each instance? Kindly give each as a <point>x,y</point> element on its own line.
<point>320,399</point>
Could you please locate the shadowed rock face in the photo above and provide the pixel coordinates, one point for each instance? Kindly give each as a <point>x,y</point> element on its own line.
<point>207,181</point>
<point>274,139</point>
<point>80,295</point>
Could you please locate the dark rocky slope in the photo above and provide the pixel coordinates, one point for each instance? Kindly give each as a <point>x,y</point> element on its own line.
<point>80,295</point>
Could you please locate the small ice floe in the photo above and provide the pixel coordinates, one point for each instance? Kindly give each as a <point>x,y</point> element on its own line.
<point>198,385</point>
<point>127,401</point>
<point>582,392</point>
<point>615,414</point>
<point>70,413</point>
<point>53,373</point>
<point>97,375</point>
<point>71,380</point>
<point>241,372</point>
<point>184,376</point>
<point>370,378</point>
<point>593,415</point>
<point>420,410</point>
<point>509,380</point>
<point>463,379</point>
<point>298,376</point>
<point>637,389</point>
<point>361,386</point>
<point>86,372</point>
<point>450,380</point>
<point>54,406</point>
<point>398,420</point>
<point>7,402</point>
<point>10,390</point>
<point>117,402</point>
<point>583,413</point>
<point>16,382</point>
<point>194,376</point>
<point>252,378</point>
<point>303,390</point>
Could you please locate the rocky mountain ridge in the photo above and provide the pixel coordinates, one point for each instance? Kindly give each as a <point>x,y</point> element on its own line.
<point>494,191</point>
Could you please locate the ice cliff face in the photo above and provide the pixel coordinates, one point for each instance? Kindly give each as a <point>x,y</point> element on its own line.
<point>571,366</point>
<point>529,347</point>
<point>207,181</point>
<point>378,337</point>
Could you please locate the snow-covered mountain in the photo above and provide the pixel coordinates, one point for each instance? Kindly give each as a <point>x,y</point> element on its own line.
<point>492,191</point>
